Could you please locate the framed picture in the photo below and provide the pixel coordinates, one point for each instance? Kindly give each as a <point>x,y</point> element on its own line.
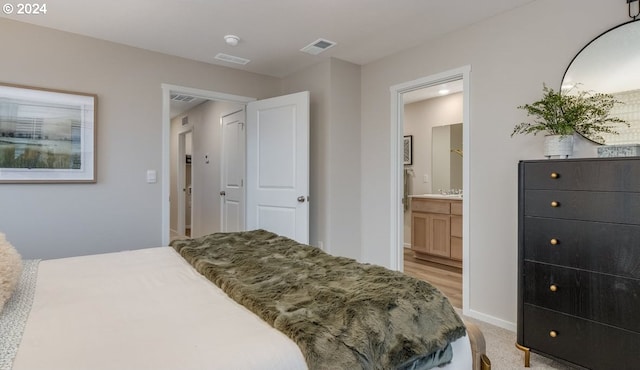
<point>47,136</point>
<point>408,149</point>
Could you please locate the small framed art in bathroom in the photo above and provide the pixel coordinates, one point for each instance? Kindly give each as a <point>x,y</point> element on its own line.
<point>408,149</point>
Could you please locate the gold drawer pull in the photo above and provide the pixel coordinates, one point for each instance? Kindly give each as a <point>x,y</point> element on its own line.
<point>555,204</point>
<point>554,175</point>
<point>553,333</point>
<point>553,288</point>
<point>554,241</point>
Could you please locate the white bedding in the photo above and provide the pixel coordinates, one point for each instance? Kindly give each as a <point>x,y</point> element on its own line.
<point>149,309</point>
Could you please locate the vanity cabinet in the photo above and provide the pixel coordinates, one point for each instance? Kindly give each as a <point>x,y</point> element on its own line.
<point>436,230</point>
<point>579,261</point>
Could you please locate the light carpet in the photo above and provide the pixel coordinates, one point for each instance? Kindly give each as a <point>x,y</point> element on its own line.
<point>503,353</point>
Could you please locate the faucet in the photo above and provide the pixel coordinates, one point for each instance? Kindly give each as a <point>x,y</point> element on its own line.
<point>451,192</point>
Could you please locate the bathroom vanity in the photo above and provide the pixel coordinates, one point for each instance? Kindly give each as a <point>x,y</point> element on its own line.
<point>436,228</point>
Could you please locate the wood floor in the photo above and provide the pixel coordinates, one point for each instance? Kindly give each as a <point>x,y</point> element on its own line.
<point>447,279</point>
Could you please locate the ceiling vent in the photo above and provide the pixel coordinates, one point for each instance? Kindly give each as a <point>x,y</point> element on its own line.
<point>231,59</point>
<point>182,98</point>
<point>318,46</point>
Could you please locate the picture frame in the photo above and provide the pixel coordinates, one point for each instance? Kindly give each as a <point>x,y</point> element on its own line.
<point>408,149</point>
<point>47,135</point>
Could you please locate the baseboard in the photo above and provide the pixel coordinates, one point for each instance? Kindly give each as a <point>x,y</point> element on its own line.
<point>511,326</point>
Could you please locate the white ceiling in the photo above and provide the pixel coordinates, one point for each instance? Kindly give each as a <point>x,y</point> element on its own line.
<point>272,32</point>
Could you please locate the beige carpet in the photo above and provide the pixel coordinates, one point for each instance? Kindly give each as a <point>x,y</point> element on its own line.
<point>503,353</point>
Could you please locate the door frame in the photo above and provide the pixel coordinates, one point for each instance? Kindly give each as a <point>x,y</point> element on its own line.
<point>167,89</point>
<point>396,193</point>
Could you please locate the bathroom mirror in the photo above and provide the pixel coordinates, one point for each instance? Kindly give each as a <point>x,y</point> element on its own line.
<point>446,157</point>
<point>609,64</point>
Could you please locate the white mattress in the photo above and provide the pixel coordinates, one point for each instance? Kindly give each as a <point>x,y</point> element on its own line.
<point>148,309</point>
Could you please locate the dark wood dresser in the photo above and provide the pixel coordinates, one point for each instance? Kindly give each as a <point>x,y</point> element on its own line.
<point>579,261</point>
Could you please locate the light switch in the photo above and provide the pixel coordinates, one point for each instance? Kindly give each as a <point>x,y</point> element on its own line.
<point>425,179</point>
<point>152,176</point>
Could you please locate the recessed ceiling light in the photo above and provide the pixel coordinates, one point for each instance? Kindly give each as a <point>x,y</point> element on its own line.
<point>443,91</point>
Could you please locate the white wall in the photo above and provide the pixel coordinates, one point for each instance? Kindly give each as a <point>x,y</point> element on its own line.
<point>121,211</point>
<point>511,55</point>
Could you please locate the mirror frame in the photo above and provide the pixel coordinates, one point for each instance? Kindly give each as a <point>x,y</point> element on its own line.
<point>564,75</point>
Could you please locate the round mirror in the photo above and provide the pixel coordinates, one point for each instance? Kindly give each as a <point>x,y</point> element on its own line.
<point>611,64</point>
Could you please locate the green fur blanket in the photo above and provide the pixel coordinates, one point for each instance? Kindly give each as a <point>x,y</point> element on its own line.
<point>341,313</point>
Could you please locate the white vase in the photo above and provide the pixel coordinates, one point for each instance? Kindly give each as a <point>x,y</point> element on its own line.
<point>560,146</point>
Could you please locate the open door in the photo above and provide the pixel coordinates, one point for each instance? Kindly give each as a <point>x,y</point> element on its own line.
<point>278,166</point>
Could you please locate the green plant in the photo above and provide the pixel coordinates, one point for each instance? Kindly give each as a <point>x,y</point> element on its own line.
<point>563,113</point>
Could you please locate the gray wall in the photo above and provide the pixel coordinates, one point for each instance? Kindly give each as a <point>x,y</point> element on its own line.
<point>335,159</point>
<point>121,211</point>
<point>511,55</point>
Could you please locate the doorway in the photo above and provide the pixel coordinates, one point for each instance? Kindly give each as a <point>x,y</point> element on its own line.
<point>432,120</point>
<point>184,178</point>
<point>280,124</point>
<point>202,157</point>
<point>397,167</point>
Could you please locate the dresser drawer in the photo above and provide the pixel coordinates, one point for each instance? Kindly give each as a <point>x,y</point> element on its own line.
<point>596,175</point>
<point>431,206</point>
<point>583,205</point>
<point>595,246</point>
<point>583,342</point>
<point>604,298</point>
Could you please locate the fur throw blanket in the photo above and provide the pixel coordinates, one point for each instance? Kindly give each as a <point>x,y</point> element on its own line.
<point>10,270</point>
<point>341,313</point>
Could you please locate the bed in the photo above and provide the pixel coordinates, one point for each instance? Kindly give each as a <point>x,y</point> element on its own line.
<point>179,307</point>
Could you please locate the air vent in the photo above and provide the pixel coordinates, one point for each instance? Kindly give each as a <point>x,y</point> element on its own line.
<point>182,98</point>
<point>185,120</point>
<point>318,46</point>
<point>231,59</point>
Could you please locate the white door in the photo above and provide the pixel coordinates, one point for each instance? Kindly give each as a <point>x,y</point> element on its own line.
<point>232,177</point>
<point>278,166</point>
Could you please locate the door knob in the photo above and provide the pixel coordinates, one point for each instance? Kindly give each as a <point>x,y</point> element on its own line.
<point>223,193</point>
<point>301,199</point>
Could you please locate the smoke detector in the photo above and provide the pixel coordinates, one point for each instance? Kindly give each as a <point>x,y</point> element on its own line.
<point>318,46</point>
<point>231,40</point>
